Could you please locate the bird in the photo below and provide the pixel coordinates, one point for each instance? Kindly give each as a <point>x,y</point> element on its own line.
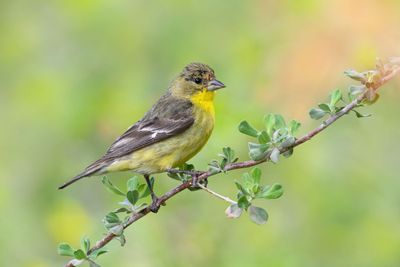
<point>175,129</point>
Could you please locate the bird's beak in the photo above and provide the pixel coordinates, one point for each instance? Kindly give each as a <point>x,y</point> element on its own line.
<point>214,85</point>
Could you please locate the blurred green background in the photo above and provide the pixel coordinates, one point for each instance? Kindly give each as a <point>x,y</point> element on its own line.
<point>74,74</point>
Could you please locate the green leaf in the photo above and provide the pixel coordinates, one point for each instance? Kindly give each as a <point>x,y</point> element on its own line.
<point>228,155</point>
<point>325,107</point>
<point>256,175</point>
<point>258,215</point>
<point>243,202</point>
<point>132,196</point>
<point>187,167</point>
<point>269,122</point>
<point>246,128</point>
<point>272,192</point>
<point>123,209</point>
<point>263,137</point>
<point>117,230</point>
<point>214,167</point>
<point>79,254</point>
<point>175,176</point>
<point>112,217</point>
<point>294,127</point>
<point>279,121</point>
<point>111,187</point>
<point>257,151</point>
<point>247,178</point>
<point>141,187</point>
<point>288,153</point>
<point>336,96</point>
<point>223,163</point>
<point>242,189</point>
<point>228,152</point>
<point>85,244</point>
<point>275,155</point>
<point>261,193</point>
<point>98,252</point>
<point>288,142</point>
<point>355,75</point>
<point>122,239</point>
<point>138,208</point>
<point>356,89</point>
<point>233,211</point>
<point>359,115</point>
<point>316,113</point>
<point>280,135</point>
<point>133,183</point>
<point>64,249</point>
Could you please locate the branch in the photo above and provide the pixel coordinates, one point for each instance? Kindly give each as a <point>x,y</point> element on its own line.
<point>372,83</point>
<point>208,190</point>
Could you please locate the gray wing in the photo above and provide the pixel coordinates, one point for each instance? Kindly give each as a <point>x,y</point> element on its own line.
<point>145,133</point>
<point>167,118</point>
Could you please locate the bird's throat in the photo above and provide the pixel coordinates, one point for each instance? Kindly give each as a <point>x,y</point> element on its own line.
<point>204,100</point>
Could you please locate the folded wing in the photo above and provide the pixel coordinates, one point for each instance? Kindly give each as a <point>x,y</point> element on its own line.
<point>172,120</point>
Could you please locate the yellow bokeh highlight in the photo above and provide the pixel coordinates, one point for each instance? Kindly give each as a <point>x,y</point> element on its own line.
<point>68,223</point>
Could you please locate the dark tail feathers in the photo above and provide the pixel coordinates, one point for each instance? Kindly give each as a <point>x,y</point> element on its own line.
<point>89,171</point>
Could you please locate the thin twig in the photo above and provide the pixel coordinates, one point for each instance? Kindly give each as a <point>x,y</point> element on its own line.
<point>227,199</point>
<point>245,164</point>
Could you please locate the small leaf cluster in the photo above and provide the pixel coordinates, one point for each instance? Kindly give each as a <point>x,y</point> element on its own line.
<point>330,107</point>
<point>277,136</point>
<point>135,191</point>
<point>227,157</point>
<point>250,189</point>
<point>112,222</point>
<point>369,81</point>
<point>336,98</point>
<point>82,254</point>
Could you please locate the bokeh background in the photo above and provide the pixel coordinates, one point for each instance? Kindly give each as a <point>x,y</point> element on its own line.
<point>76,73</point>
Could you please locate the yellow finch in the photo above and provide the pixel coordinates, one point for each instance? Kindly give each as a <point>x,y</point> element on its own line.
<point>170,133</point>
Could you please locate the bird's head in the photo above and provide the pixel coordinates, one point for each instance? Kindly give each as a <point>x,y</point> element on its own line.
<point>195,78</point>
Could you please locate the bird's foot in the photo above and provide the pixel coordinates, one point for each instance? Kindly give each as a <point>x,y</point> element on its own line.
<point>156,203</point>
<point>154,207</point>
<point>192,173</point>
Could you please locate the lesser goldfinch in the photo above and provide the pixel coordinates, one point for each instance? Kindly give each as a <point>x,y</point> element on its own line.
<point>170,133</point>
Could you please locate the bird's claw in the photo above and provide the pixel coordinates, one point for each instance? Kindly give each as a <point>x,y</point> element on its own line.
<point>154,207</point>
<point>156,204</point>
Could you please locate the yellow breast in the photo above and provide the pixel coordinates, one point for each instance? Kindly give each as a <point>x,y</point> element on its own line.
<point>204,101</point>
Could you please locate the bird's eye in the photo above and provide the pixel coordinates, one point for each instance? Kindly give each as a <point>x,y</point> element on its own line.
<point>198,80</point>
